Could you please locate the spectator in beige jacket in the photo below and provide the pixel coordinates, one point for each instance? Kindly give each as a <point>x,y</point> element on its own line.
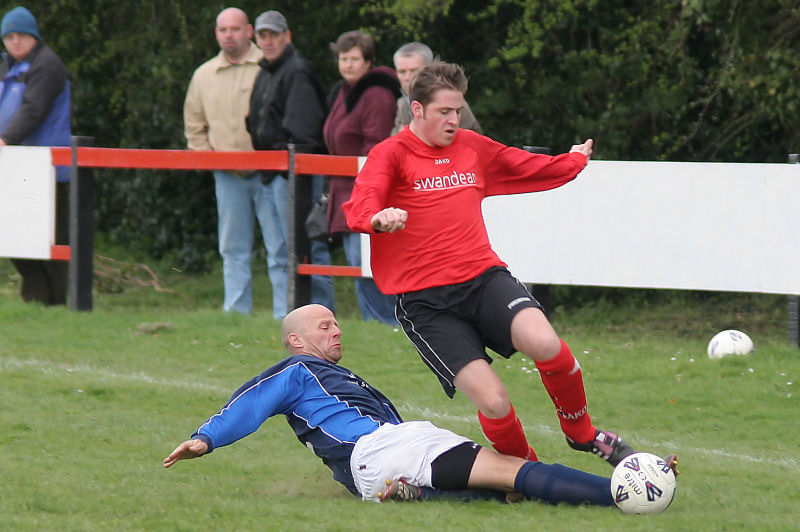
<point>217,103</point>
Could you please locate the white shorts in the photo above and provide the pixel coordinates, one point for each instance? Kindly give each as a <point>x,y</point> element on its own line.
<point>403,451</point>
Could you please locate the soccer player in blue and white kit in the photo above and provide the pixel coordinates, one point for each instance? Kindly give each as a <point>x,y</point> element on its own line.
<point>359,435</point>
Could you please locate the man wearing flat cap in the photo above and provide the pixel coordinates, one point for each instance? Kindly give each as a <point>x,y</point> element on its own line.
<point>34,111</point>
<point>288,106</point>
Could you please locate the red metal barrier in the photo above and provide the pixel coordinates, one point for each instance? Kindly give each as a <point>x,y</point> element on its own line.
<point>173,159</point>
<point>336,271</point>
<point>304,164</point>
<point>309,164</point>
<point>60,252</point>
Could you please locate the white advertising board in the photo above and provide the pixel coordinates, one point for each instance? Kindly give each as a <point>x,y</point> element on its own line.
<point>27,202</point>
<point>702,226</point>
<point>705,226</point>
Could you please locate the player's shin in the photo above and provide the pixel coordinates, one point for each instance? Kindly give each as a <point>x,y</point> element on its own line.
<point>562,378</point>
<point>507,435</point>
<point>555,483</point>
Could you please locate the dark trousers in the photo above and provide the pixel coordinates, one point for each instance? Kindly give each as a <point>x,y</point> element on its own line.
<point>45,281</point>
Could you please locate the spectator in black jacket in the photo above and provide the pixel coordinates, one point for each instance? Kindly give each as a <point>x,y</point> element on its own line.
<point>287,106</point>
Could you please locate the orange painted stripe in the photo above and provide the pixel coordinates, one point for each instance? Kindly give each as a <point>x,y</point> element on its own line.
<point>173,159</point>
<point>337,271</point>
<point>59,252</point>
<point>307,163</point>
<point>61,156</point>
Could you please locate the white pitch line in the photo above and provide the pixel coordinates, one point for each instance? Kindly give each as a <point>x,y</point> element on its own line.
<point>786,462</point>
<point>421,412</point>
<point>51,367</point>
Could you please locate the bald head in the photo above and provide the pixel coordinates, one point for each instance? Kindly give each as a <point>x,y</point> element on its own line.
<point>233,32</point>
<point>312,330</point>
<point>232,15</point>
<point>294,322</point>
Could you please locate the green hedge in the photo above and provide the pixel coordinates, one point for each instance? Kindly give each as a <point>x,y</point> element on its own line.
<point>698,80</point>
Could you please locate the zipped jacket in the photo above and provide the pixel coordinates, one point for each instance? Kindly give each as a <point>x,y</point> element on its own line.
<point>34,101</point>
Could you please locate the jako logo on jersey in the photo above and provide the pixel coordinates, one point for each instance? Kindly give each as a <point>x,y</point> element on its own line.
<point>454,180</point>
<point>445,160</point>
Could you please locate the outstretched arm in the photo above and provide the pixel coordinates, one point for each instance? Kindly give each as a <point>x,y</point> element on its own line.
<point>186,450</point>
<point>585,148</point>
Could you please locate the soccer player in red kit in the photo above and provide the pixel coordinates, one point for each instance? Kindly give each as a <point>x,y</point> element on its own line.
<point>419,198</point>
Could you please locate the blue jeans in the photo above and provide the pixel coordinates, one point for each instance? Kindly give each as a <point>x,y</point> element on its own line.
<point>374,304</point>
<point>240,202</point>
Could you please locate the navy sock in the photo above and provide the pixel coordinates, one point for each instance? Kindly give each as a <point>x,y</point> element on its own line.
<point>463,495</point>
<point>555,483</point>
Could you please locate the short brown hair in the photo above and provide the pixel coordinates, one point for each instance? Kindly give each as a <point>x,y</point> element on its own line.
<point>352,39</point>
<point>436,76</point>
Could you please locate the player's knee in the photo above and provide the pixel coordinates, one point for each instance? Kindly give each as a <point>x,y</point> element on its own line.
<point>540,347</point>
<point>495,405</point>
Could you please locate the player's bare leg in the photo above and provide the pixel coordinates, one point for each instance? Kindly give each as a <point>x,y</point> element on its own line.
<point>551,483</point>
<point>520,479</point>
<point>478,381</point>
<point>560,372</point>
<point>533,335</point>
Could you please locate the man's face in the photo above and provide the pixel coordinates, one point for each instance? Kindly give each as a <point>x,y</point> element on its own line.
<point>436,124</point>
<point>19,45</point>
<point>272,43</point>
<point>406,67</point>
<point>233,34</point>
<point>352,65</point>
<point>322,336</point>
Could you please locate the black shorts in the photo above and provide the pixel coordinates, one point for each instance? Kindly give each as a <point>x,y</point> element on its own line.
<point>453,325</point>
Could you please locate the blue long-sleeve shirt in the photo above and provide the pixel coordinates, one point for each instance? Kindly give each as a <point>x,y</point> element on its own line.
<point>328,406</point>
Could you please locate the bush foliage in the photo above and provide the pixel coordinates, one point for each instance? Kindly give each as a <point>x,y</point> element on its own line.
<point>698,80</point>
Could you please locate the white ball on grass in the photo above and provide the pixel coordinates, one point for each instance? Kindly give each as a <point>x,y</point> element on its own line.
<point>729,342</point>
<point>643,483</point>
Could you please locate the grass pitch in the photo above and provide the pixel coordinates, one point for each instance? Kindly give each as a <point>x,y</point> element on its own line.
<point>92,402</point>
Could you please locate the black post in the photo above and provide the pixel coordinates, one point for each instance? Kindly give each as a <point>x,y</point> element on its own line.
<point>794,300</point>
<point>299,246</point>
<point>81,230</point>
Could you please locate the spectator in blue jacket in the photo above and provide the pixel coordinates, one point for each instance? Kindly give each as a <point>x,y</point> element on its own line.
<point>34,111</point>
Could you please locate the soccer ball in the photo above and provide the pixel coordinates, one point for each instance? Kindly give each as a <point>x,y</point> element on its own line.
<point>729,342</point>
<point>643,483</point>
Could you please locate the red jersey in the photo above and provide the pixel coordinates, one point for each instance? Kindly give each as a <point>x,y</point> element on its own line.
<point>445,239</point>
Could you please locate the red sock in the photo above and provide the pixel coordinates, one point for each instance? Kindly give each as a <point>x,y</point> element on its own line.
<point>506,435</point>
<point>562,378</point>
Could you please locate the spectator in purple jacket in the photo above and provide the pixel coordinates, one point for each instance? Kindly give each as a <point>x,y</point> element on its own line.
<point>362,110</point>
